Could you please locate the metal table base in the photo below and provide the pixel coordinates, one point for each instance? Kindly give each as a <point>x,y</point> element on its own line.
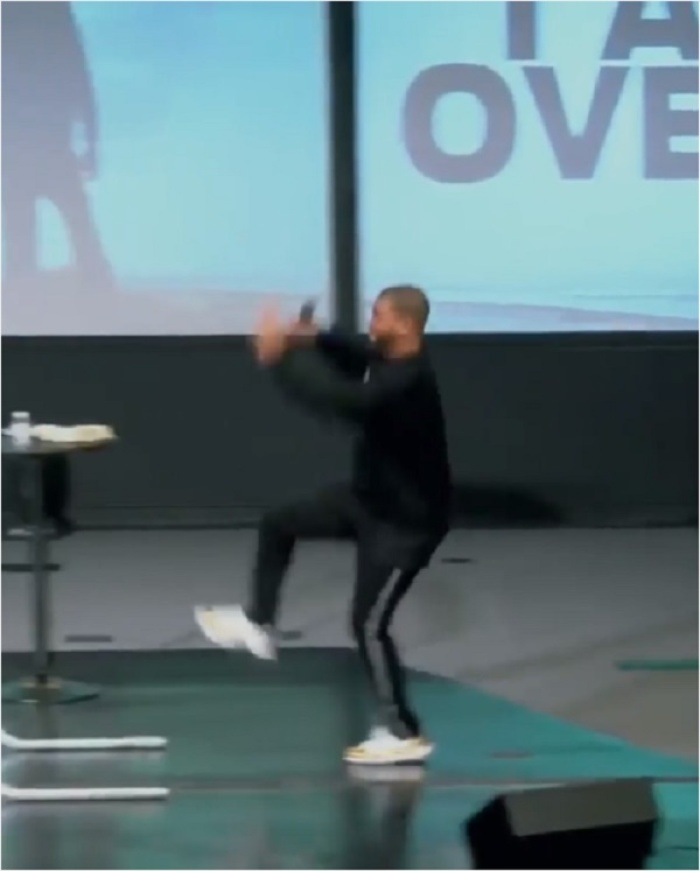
<point>42,687</point>
<point>90,793</point>
<point>36,690</point>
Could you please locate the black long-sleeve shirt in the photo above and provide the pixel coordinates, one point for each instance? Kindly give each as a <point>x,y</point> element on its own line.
<point>401,471</point>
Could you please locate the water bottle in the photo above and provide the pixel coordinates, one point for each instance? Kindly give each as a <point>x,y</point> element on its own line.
<point>21,428</point>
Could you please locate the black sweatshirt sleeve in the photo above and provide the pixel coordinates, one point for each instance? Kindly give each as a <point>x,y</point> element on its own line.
<point>349,353</point>
<point>307,377</point>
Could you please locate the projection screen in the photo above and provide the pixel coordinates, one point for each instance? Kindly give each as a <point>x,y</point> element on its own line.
<point>533,165</point>
<point>164,165</point>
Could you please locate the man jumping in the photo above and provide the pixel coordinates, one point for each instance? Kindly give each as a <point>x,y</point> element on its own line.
<point>396,507</point>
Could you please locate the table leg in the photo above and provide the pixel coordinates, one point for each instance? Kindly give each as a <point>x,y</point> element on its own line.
<point>41,686</point>
<point>39,546</point>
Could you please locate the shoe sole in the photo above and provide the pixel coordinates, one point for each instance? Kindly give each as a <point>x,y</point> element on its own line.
<point>207,620</point>
<point>357,757</point>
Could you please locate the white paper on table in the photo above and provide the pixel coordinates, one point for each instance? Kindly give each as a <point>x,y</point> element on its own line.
<point>85,433</point>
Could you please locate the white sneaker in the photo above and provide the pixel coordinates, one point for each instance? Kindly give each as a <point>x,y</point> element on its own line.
<point>383,748</point>
<point>379,733</point>
<point>229,626</point>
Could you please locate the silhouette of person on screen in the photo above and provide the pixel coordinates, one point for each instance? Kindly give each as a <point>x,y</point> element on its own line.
<point>48,107</point>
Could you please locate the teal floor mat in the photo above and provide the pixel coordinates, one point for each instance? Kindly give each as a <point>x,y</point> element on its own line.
<point>231,718</point>
<point>255,766</point>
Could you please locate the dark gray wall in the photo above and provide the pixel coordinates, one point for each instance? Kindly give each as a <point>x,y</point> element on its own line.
<point>579,430</point>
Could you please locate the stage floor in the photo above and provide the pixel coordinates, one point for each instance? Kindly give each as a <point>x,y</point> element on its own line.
<point>514,638</point>
<point>256,774</point>
<point>540,617</point>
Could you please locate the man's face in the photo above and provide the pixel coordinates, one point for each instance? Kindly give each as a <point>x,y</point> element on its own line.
<point>386,323</point>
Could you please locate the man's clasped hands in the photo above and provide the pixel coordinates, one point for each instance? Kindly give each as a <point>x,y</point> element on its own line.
<point>273,335</point>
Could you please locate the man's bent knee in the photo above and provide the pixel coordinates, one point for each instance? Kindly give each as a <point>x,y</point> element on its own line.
<point>359,626</point>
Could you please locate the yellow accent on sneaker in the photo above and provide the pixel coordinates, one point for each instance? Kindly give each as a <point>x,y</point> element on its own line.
<point>209,621</point>
<point>388,752</point>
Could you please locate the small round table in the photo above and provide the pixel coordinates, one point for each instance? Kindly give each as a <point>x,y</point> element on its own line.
<point>42,686</point>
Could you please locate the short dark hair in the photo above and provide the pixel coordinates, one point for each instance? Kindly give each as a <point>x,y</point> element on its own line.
<point>409,301</point>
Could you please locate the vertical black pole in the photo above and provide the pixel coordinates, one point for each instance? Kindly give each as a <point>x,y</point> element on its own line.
<point>343,143</point>
<point>343,161</point>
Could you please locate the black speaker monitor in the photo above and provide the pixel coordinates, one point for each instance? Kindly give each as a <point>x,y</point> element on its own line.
<point>609,824</point>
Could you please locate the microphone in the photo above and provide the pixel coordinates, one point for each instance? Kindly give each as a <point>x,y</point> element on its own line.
<point>307,311</point>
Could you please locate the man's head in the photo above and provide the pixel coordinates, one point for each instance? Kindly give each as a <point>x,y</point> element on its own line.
<point>399,316</point>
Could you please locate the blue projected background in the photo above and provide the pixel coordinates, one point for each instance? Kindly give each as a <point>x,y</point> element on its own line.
<point>164,164</point>
<point>491,175</point>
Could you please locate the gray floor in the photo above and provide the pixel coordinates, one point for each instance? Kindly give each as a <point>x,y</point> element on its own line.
<point>538,617</point>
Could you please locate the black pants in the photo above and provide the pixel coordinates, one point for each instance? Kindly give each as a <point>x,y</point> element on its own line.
<point>388,561</point>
